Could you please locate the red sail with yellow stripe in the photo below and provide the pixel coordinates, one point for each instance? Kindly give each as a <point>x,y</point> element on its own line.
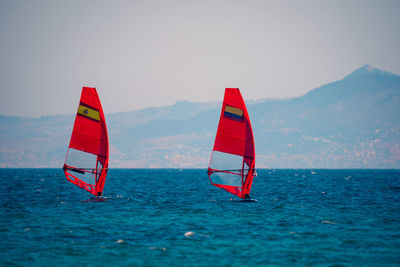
<point>86,163</point>
<point>232,163</point>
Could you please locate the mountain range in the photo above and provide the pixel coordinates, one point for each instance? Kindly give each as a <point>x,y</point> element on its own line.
<point>350,123</point>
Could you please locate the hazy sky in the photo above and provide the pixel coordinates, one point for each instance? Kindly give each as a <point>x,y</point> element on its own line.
<point>150,53</point>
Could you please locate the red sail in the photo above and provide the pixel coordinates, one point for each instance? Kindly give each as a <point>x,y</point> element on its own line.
<point>232,161</point>
<point>86,163</point>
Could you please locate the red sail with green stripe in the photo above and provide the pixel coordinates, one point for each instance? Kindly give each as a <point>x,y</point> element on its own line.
<point>86,163</point>
<point>232,163</point>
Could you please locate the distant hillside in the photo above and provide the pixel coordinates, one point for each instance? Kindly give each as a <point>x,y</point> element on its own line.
<point>351,123</point>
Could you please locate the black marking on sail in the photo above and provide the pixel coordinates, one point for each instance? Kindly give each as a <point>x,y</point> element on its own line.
<point>77,170</point>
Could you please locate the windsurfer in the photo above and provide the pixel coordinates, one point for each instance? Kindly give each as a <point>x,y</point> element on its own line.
<point>89,139</point>
<point>233,157</point>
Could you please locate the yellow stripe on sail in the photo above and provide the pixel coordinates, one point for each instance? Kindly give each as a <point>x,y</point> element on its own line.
<point>88,112</point>
<point>233,110</point>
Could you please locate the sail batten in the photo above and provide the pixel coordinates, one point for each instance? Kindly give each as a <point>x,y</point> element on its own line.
<point>232,160</point>
<point>86,162</point>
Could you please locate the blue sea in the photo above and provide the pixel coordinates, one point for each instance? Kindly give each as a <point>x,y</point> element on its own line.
<point>171,217</point>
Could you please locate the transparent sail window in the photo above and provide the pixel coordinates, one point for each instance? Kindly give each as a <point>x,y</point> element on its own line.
<point>226,161</point>
<point>224,178</point>
<point>84,164</point>
<point>99,170</point>
<point>245,169</point>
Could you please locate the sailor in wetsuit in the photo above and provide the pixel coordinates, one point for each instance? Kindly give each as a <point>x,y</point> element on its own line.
<point>247,196</point>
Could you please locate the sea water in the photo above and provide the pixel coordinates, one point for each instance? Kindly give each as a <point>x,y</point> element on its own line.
<point>171,217</point>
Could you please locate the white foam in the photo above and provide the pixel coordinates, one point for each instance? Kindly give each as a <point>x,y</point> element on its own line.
<point>190,233</point>
<point>328,222</point>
